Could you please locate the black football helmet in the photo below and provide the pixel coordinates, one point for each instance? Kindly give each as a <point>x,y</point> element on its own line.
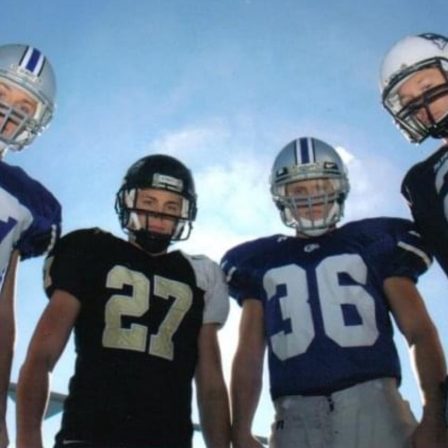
<point>160,172</point>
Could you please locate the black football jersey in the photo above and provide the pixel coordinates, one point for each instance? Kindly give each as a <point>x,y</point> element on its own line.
<point>135,338</point>
<point>425,187</point>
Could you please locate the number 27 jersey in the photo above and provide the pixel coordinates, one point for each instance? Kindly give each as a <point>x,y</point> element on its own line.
<point>326,317</point>
<point>136,337</point>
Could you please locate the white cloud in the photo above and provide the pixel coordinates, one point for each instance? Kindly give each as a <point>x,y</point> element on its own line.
<point>190,142</point>
<point>234,205</point>
<point>234,201</point>
<point>346,155</point>
<point>375,185</point>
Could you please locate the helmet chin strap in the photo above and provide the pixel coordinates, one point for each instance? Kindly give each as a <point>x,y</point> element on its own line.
<point>154,245</point>
<point>318,227</point>
<point>441,129</point>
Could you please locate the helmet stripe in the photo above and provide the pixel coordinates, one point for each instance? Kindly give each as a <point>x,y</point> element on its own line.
<point>33,61</point>
<point>306,152</point>
<point>312,150</point>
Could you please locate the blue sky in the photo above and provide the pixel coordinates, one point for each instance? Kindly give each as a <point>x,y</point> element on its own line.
<point>223,85</point>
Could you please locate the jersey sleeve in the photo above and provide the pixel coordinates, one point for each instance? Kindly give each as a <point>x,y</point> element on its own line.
<point>45,229</point>
<point>210,279</point>
<point>44,210</point>
<point>240,275</point>
<point>405,254</point>
<point>67,265</point>
<point>36,211</point>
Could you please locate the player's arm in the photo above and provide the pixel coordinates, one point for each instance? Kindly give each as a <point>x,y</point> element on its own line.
<point>7,338</point>
<point>47,344</point>
<point>247,370</point>
<point>212,395</point>
<point>416,325</point>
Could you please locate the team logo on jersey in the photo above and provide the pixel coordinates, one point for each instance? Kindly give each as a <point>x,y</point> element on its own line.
<point>311,247</point>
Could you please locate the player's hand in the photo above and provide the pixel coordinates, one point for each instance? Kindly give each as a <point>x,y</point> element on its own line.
<point>4,440</point>
<point>430,434</point>
<point>248,441</point>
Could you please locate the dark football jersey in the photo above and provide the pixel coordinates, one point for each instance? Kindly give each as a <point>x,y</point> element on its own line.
<point>135,338</point>
<point>425,187</point>
<point>327,320</point>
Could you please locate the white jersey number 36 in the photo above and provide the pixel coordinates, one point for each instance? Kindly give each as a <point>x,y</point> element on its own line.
<point>295,307</point>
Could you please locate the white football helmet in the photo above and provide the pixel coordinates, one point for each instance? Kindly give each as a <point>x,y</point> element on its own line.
<point>304,159</point>
<point>28,69</point>
<point>408,56</point>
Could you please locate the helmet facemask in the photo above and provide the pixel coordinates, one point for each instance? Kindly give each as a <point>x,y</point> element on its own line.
<point>18,128</point>
<point>298,210</point>
<point>408,116</point>
<point>309,185</point>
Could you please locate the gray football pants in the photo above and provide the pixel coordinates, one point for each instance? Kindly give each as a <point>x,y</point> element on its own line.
<point>369,415</point>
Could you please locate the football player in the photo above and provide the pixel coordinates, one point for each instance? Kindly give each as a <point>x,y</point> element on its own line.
<point>30,215</point>
<point>414,87</point>
<point>322,302</point>
<point>145,322</point>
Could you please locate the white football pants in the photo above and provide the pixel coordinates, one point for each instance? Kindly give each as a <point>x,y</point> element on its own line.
<point>369,415</point>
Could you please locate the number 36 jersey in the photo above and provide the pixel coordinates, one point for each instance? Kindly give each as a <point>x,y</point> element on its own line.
<point>136,337</point>
<point>326,317</point>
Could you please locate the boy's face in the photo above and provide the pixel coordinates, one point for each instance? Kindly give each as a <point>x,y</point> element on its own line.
<point>311,198</point>
<point>414,89</point>
<point>160,210</point>
<point>15,105</point>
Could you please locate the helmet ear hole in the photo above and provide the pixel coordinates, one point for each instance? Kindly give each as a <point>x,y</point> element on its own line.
<point>279,205</point>
<point>341,198</point>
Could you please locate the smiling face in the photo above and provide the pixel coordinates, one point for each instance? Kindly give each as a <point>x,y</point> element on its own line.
<point>16,106</point>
